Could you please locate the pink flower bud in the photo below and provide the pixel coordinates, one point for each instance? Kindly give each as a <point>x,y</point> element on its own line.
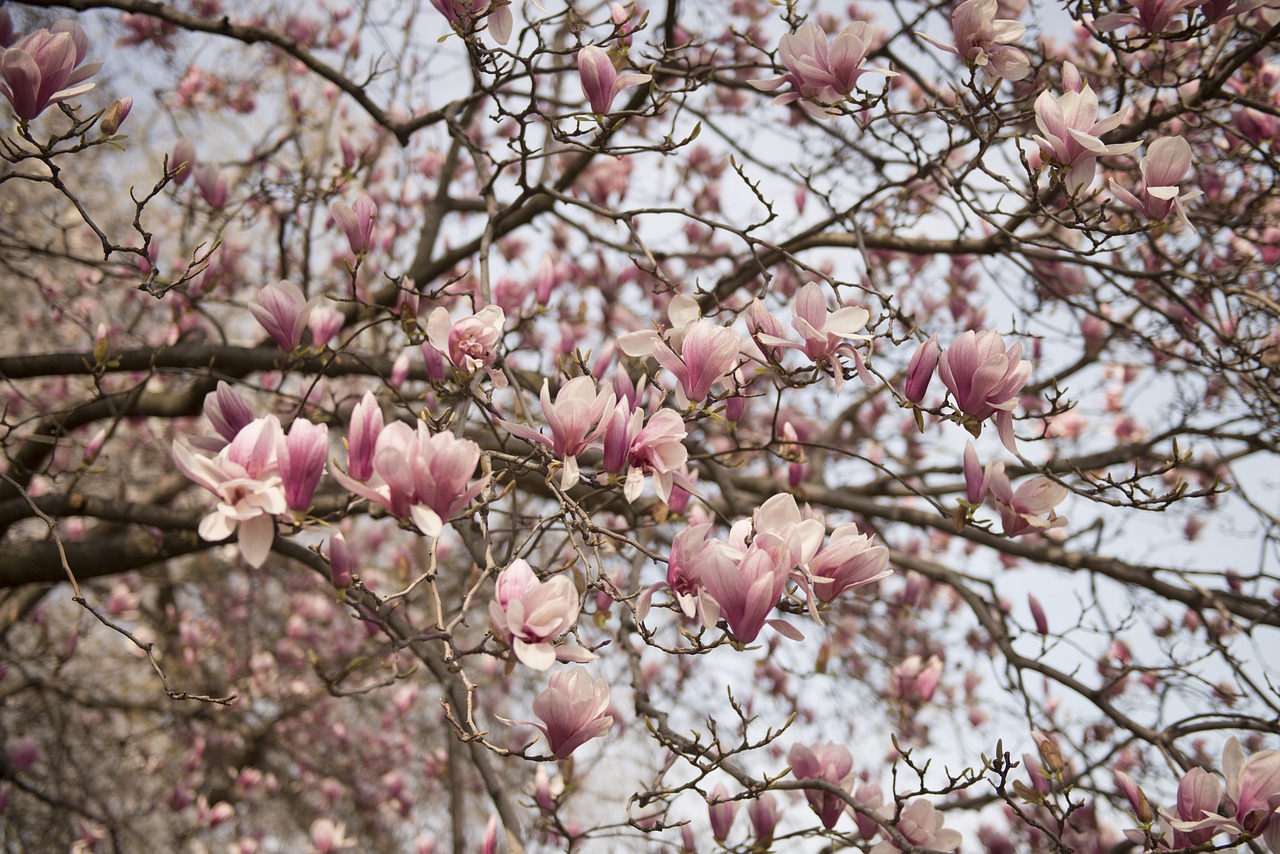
<point>721,811</point>
<point>920,371</point>
<point>356,221</point>
<point>302,458</point>
<point>601,83</point>
<point>182,161</point>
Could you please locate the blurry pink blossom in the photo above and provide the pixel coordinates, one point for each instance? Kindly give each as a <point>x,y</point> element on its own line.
<point>915,680</point>
<point>765,816</point>
<point>283,310</point>
<point>921,825</point>
<point>721,811</point>
<point>356,222</point>
<point>829,762</point>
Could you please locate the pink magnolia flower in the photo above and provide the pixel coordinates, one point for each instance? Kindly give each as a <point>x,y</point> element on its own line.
<point>985,41</point>
<point>691,555</point>
<point>977,478</point>
<point>1154,16</point>
<point>282,309</point>
<point>915,680</point>
<point>471,343</point>
<point>1253,795</point>
<point>984,378</point>
<point>328,836</point>
<point>821,75</point>
<point>577,419</point>
<point>765,816</point>
<point>1073,133</point>
<point>416,475</point>
<point>226,411</point>
<point>721,811</point>
<point>212,183</point>
<point>465,14</point>
<point>746,589</point>
<point>325,322</point>
<point>245,477</point>
<point>708,352</point>
<point>601,82</point>
<point>572,710</point>
<point>362,437</point>
<point>921,825</point>
<point>848,560</point>
<point>302,457</point>
<point>657,449</point>
<point>826,334</point>
<point>827,761</point>
<point>1164,166</point>
<point>46,68</point>
<point>182,161</point>
<point>528,615</point>
<point>1030,509</point>
<point>340,562</point>
<point>920,371</point>
<point>356,222</point>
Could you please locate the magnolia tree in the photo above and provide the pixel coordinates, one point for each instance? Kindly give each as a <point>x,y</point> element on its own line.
<point>640,426</point>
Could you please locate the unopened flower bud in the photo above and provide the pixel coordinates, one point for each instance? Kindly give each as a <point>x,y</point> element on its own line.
<point>115,116</point>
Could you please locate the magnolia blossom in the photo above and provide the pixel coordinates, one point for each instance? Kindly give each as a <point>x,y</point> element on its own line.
<point>46,68</point>
<point>1253,795</point>
<point>471,343</point>
<point>984,378</point>
<point>464,14</point>
<point>1073,133</point>
<point>826,334</point>
<point>1030,508</point>
<point>821,75</point>
<point>920,370</point>
<point>356,222</point>
<point>245,477</point>
<point>302,456</point>
<point>985,41</point>
<point>528,615</point>
<point>415,474</point>
<point>708,352</point>
<point>1164,166</point>
<point>283,311</point>
<point>747,589</point>
<point>848,560</point>
<point>915,680</point>
<point>227,411</point>
<point>721,811</point>
<point>765,815</point>
<point>601,82</point>
<point>1154,16</point>
<point>656,448</point>
<point>921,825</point>
<point>577,419</point>
<point>826,761</point>
<point>692,555</point>
<point>572,711</point>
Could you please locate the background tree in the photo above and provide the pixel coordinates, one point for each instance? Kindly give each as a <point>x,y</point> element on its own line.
<point>639,426</point>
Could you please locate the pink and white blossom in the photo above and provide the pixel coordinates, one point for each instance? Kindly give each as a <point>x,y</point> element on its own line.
<point>46,67</point>
<point>356,221</point>
<point>419,476</point>
<point>822,75</point>
<point>1163,167</point>
<point>245,477</point>
<point>577,419</point>
<point>528,615</point>
<point>921,825</point>
<point>984,378</point>
<point>707,353</point>
<point>1030,508</point>
<point>302,457</point>
<point>470,343</point>
<point>1072,131</point>
<point>572,710</point>
<point>985,41</point>
<point>848,560</point>
<point>826,335</point>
